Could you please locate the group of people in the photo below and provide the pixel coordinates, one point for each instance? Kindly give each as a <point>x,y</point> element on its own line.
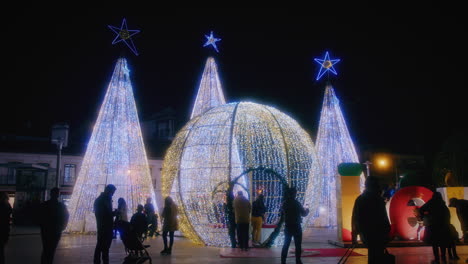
<point>54,219</point>
<point>370,222</point>
<point>143,221</point>
<point>292,211</point>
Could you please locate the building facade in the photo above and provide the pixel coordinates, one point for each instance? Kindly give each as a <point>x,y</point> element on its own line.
<point>28,177</point>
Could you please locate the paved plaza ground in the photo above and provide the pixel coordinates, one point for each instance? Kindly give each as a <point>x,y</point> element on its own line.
<point>25,247</point>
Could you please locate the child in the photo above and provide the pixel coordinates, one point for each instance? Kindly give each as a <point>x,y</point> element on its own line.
<point>452,248</point>
<point>138,222</point>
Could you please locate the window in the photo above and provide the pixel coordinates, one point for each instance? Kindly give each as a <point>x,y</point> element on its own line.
<point>69,174</point>
<point>3,175</point>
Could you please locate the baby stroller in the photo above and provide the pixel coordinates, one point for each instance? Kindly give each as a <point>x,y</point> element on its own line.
<point>136,251</point>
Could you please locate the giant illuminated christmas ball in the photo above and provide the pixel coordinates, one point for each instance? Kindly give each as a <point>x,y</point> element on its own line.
<point>253,147</point>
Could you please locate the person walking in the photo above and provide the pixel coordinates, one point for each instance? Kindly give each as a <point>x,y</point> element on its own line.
<point>437,232</point>
<point>242,210</point>
<point>5,219</point>
<point>53,219</point>
<point>151,218</point>
<point>461,206</point>
<point>104,223</point>
<point>258,216</point>
<point>292,211</point>
<point>370,221</point>
<point>170,224</point>
<point>138,223</point>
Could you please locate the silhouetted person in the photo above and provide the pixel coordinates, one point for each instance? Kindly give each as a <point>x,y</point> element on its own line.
<point>121,214</point>
<point>242,209</point>
<point>151,218</point>
<point>138,222</point>
<point>170,224</point>
<point>370,220</point>
<point>5,218</point>
<point>53,219</point>
<point>292,211</point>
<point>105,224</point>
<point>462,213</point>
<point>258,215</point>
<point>452,248</point>
<point>437,232</point>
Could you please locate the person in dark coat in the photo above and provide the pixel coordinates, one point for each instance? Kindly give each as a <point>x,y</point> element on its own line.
<point>258,215</point>
<point>462,213</point>
<point>170,224</point>
<point>5,219</point>
<point>242,211</point>
<point>105,224</point>
<point>293,212</point>
<point>437,217</point>
<point>53,217</point>
<point>370,221</point>
<point>138,222</point>
<point>151,218</point>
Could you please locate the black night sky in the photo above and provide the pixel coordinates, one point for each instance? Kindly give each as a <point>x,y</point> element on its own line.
<point>399,82</point>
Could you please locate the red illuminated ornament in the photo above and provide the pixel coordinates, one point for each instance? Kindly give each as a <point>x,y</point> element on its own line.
<point>402,211</point>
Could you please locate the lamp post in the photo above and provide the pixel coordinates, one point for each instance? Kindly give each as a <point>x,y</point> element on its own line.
<point>367,163</point>
<point>60,138</point>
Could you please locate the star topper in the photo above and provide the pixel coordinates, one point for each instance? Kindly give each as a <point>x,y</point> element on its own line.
<point>326,65</point>
<point>125,35</point>
<point>211,40</point>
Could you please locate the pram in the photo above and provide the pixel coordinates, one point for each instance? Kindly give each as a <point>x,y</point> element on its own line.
<point>136,251</point>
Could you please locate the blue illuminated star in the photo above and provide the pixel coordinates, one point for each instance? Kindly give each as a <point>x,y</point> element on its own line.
<point>211,40</point>
<point>326,65</point>
<point>125,35</point>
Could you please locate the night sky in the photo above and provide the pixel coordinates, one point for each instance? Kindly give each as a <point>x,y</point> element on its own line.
<point>398,80</point>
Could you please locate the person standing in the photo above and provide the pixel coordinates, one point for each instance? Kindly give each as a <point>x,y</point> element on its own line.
<point>293,212</point>
<point>5,218</point>
<point>53,219</point>
<point>370,220</point>
<point>151,218</point>
<point>105,224</point>
<point>121,214</point>
<point>242,209</point>
<point>138,223</point>
<point>437,232</point>
<point>170,224</point>
<point>461,206</point>
<point>258,215</point>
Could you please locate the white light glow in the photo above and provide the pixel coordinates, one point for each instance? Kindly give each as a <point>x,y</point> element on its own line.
<point>115,155</point>
<point>334,146</point>
<point>218,146</point>
<point>210,93</point>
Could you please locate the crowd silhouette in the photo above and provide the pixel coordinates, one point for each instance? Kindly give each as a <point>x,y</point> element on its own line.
<point>370,223</point>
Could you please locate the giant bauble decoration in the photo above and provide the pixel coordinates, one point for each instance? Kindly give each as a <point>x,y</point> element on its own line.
<point>402,206</point>
<point>221,145</point>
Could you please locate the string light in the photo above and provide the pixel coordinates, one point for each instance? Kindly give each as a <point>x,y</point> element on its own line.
<point>211,40</point>
<point>218,146</point>
<point>115,155</point>
<point>334,146</point>
<point>326,65</point>
<point>210,93</point>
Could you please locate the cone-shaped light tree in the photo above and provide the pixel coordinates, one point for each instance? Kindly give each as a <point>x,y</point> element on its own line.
<point>334,146</point>
<point>210,93</point>
<point>115,155</point>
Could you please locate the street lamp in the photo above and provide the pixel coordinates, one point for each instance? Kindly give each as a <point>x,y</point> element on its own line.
<point>386,162</point>
<point>60,138</point>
